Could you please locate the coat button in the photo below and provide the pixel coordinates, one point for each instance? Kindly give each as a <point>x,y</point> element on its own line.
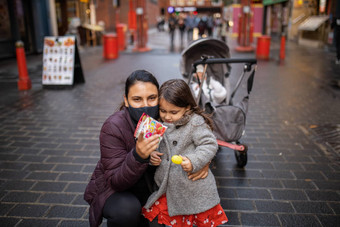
<point>177,127</point>
<point>174,143</point>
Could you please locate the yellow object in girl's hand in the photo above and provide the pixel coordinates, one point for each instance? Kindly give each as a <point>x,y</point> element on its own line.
<point>176,159</point>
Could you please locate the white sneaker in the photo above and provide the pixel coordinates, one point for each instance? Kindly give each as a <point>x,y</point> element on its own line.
<point>337,61</point>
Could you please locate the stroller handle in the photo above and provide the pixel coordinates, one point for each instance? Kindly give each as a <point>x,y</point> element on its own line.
<point>250,61</point>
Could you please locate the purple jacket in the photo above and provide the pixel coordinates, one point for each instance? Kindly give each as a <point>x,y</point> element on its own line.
<point>119,167</point>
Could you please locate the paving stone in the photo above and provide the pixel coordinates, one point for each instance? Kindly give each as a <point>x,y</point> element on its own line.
<point>79,200</point>
<point>55,152</point>
<point>66,212</point>
<point>12,165</point>
<point>329,220</point>
<point>309,175</point>
<point>287,166</point>
<point>277,174</point>
<point>226,192</point>
<point>89,168</point>
<point>39,167</point>
<point>298,184</point>
<point>5,208</point>
<point>300,220</point>
<point>253,193</point>
<point>51,198</point>
<point>74,223</point>
<point>246,173</point>
<point>42,176</point>
<point>13,175</point>
<point>31,158</point>
<point>323,195</point>
<point>233,218</point>
<point>265,183</point>
<point>274,206</point>
<point>17,185</point>
<point>76,187</point>
<point>9,157</point>
<point>327,185</point>
<point>49,186</point>
<point>21,197</point>
<point>312,207</point>
<point>259,219</point>
<point>9,221</point>
<point>335,207</point>
<point>28,210</point>
<point>288,194</point>
<point>27,151</point>
<point>37,223</point>
<point>237,204</point>
<point>232,182</point>
<point>73,177</point>
<point>68,168</point>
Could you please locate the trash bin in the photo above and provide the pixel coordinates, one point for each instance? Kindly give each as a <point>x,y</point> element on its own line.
<point>110,46</point>
<point>263,47</point>
<point>121,36</point>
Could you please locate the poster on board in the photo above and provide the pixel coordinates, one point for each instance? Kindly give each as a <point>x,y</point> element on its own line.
<point>61,62</point>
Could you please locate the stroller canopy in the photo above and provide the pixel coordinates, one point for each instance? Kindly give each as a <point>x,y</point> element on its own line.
<point>210,47</point>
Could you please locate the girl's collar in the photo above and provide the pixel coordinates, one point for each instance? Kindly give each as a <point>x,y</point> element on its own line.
<point>184,119</point>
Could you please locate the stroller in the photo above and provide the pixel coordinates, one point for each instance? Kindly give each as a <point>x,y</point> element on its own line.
<point>229,116</point>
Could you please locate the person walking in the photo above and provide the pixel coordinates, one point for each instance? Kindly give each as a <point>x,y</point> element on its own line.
<point>178,201</point>
<point>181,27</point>
<point>335,25</point>
<point>190,25</point>
<point>123,179</point>
<point>172,23</point>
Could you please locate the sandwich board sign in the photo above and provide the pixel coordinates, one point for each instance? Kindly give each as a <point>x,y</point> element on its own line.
<point>61,62</point>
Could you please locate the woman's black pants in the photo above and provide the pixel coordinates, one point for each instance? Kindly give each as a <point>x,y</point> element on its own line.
<point>123,209</point>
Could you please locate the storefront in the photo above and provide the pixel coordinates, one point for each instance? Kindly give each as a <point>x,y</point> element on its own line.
<point>24,20</point>
<point>276,17</point>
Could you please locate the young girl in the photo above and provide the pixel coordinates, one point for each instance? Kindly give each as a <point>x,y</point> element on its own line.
<point>180,201</point>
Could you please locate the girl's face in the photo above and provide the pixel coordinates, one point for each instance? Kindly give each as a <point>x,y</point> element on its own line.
<point>142,94</point>
<point>170,113</point>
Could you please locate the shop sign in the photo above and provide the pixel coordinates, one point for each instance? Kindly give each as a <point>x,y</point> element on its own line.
<point>61,62</point>
<point>271,2</point>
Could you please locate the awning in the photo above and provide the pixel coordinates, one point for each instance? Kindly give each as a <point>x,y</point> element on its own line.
<point>271,2</point>
<point>312,23</point>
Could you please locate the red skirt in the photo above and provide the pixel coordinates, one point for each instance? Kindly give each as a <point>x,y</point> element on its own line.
<point>210,218</point>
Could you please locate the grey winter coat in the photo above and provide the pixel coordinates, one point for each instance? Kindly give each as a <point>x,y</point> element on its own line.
<point>190,137</point>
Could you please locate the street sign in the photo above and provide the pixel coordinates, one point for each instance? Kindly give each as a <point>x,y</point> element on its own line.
<point>61,62</point>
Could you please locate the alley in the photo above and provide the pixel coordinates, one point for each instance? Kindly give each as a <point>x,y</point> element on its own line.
<point>49,140</point>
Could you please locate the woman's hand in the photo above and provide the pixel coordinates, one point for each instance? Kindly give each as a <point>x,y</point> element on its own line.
<point>155,158</point>
<point>200,174</point>
<point>186,164</point>
<point>144,147</point>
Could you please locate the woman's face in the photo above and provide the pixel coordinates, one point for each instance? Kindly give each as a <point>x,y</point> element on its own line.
<point>142,94</point>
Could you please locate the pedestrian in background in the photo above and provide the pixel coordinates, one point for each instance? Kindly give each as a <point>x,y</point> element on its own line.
<point>179,201</point>
<point>123,179</point>
<point>181,27</point>
<point>172,22</point>
<point>335,25</point>
<point>190,25</point>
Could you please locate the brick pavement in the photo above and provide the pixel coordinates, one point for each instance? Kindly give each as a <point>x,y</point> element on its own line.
<point>49,142</point>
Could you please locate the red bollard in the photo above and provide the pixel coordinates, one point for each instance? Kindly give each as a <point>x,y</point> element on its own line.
<point>110,46</point>
<point>282,47</point>
<point>263,47</point>
<point>24,82</point>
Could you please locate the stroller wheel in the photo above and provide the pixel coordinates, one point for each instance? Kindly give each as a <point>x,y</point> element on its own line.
<point>241,157</point>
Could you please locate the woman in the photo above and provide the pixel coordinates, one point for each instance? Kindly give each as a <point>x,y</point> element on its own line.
<point>123,179</point>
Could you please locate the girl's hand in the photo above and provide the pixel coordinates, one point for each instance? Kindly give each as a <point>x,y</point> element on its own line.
<point>144,147</point>
<point>200,174</point>
<point>155,158</point>
<point>186,164</point>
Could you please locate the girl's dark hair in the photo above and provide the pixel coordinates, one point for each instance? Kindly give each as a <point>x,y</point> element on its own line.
<point>178,93</point>
<point>139,76</point>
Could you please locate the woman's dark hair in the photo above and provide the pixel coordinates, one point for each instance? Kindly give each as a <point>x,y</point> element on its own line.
<point>139,76</point>
<point>178,93</point>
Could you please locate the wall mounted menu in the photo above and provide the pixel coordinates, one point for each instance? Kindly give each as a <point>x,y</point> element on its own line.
<point>61,62</point>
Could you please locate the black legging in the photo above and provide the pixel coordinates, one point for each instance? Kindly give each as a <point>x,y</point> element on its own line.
<point>123,209</point>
